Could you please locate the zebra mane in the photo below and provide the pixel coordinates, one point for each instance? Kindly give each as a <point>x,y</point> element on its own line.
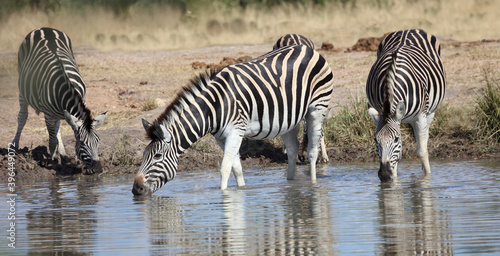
<point>87,115</point>
<point>181,101</point>
<point>389,79</point>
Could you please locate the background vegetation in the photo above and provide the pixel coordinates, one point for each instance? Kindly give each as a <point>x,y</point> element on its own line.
<point>175,24</point>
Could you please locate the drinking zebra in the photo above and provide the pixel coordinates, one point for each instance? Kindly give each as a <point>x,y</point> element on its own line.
<point>259,99</point>
<point>50,82</point>
<point>406,84</point>
<point>296,39</point>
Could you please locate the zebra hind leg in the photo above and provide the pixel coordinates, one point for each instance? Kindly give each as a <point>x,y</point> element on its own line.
<point>315,118</point>
<point>324,154</point>
<point>303,144</point>
<point>292,150</point>
<point>303,147</point>
<point>21,121</point>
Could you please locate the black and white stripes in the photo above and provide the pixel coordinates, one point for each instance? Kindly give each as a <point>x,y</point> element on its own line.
<point>263,98</point>
<point>50,82</point>
<point>406,84</point>
<point>293,39</point>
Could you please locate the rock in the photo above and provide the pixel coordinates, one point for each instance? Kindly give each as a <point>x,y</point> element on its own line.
<point>367,44</point>
<point>198,65</point>
<point>327,46</point>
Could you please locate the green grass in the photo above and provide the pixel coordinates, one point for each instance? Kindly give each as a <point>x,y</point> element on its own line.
<point>488,110</point>
<point>452,120</point>
<point>351,125</point>
<point>122,155</point>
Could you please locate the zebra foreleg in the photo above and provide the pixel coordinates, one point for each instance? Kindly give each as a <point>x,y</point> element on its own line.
<point>231,160</point>
<point>21,121</point>
<point>238,171</point>
<point>53,129</point>
<point>292,150</point>
<point>60,146</point>
<point>421,131</point>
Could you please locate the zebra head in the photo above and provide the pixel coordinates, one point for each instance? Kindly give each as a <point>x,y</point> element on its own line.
<point>388,140</point>
<point>87,139</point>
<point>159,160</point>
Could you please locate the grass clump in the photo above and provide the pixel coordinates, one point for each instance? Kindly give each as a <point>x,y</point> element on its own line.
<point>452,121</point>
<point>488,110</point>
<point>351,125</point>
<point>122,154</point>
<point>149,104</point>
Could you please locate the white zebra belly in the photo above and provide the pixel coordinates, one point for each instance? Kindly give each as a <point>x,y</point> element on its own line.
<point>268,131</point>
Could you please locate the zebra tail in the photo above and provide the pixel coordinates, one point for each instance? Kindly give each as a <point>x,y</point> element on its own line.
<point>389,80</point>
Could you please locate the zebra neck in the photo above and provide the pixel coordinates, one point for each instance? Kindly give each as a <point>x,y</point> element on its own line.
<point>79,110</point>
<point>187,129</point>
<point>191,115</point>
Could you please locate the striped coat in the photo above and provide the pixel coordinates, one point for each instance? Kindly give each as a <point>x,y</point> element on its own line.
<point>259,99</point>
<point>50,82</point>
<point>406,84</point>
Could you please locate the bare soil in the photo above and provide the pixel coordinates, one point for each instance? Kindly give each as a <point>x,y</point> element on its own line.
<point>139,84</point>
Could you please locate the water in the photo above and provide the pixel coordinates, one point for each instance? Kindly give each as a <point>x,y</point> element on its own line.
<point>455,210</point>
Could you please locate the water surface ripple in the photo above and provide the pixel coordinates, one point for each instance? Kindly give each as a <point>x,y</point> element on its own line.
<point>455,210</point>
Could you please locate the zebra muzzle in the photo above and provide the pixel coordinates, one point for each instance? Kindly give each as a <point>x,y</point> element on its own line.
<point>139,187</point>
<point>385,172</point>
<point>96,167</point>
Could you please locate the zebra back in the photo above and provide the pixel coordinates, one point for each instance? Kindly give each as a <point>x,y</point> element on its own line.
<point>293,39</point>
<point>49,79</point>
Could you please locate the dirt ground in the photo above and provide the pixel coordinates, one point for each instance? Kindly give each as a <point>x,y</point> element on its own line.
<point>131,83</point>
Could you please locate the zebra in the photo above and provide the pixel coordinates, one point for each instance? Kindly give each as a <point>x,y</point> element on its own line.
<point>405,84</point>
<point>296,39</point>
<point>50,82</point>
<point>293,39</point>
<point>263,98</point>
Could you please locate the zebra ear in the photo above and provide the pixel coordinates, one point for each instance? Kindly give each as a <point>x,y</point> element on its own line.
<point>145,124</point>
<point>72,120</point>
<point>374,115</point>
<point>162,132</point>
<point>99,120</point>
<point>400,111</point>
